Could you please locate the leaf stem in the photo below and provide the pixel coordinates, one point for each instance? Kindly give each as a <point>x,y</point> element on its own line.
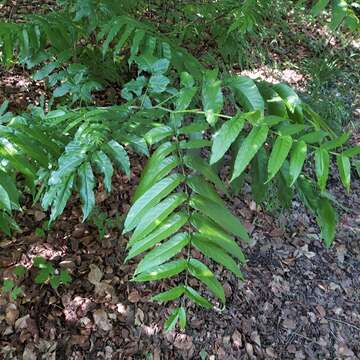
<point>187,191</point>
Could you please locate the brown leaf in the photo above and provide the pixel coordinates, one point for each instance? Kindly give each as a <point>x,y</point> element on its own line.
<point>101,320</point>
<point>134,296</point>
<point>21,322</point>
<point>289,324</point>
<point>270,352</point>
<point>139,317</point>
<point>183,342</point>
<point>95,274</point>
<point>39,215</point>
<point>29,353</point>
<point>11,314</point>
<point>321,311</point>
<point>236,338</point>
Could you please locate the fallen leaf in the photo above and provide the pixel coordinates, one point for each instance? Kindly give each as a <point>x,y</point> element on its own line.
<point>39,215</point>
<point>95,274</point>
<point>11,314</point>
<point>139,317</point>
<point>134,296</point>
<point>183,342</point>
<point>101,320</point>
<point>289,324</point>
<point>21,322</point>
<point>29,353</point>
<point>236,338</point>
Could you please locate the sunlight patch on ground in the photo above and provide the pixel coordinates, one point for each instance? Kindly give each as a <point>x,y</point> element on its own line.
<point>290,76</point>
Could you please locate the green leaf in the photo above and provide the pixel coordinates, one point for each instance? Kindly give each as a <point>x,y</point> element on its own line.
<point>291,129</point>
<point>272,120</point>
<point>182,102</point>
<point>62,197</point>
<point>193,128</point>
<point>214,234</point>
<point>186,80</point>
<point>278,155</point>
<point>150,198</point>
<point>45,71</point>
<point>339,12</point>
<point>298,156</point>
<point>227,134</point>
<point>290,97</point>
<point>7,224</point>
<point>215,253</point>
<point>275,104</point>
<point>170,295</point>
<point>20,270</point>
<point>352,151</point>
<point>87,184</point>
<point>26,144</point>
<point>62,90</point>
<point>40,262</point>
<point>220,214</point>
<point>202,187</point>
<point>258,176</point>
<point>158,83</point>
<point>322,162</point>
<point>16,292</point>
<point>118,153</point>
<point>115,28</point>
<point>333,144</point>
<point>205,275</point>
<point>104,165</point>
<point>139,35</point>
<point>212,97</point>
<point>65,277</point>
<point>194,144</point>
<point>5,202</point>
<point>156,168</point>
<point>198,164</point>
<point>284,191</point>
<point>19,162</point>
<point>307,193</point>
<point>182,318</point>
<point>356,164</point>
<point>249,148</point>
<point>160,66</point>
<point>344,167</point>
<point>163,252</point>
<point>156,173</point>
<point>42,276</point>
<point>54,282</point>
<point>163,271</point>
<point>69,161</point>
<point>319,7</point>
<point>158,133</point>
<point>193,295</point>
<point>8,285</point>
<point>171,321</point>
<point>246,93</point>
<point>3,107</point>
<point>125,35</point>
<point>314,137</point>
<point>327,220</point>
<point>137,143</point>
<point>169,227</point>
<point>156,215</point>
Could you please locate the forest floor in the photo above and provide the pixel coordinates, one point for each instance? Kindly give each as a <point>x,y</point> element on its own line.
<point>299,300</point>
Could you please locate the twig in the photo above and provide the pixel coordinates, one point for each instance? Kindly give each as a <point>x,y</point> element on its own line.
<point>343,322</point>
